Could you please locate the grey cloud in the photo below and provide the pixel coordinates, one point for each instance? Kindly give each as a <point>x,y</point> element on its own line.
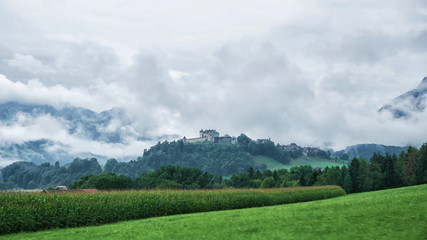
<point>419,42</point>
<point>316,78</point>
<point>29,64</point>
<point>248,86</point>
<point>69,63</point>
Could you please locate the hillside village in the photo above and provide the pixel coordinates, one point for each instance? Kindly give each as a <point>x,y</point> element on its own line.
<point>211,135</point>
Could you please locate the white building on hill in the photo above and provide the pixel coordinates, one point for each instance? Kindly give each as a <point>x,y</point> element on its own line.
<point>210,135</point>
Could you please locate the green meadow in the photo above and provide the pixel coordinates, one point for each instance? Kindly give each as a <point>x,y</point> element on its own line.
<point>272,164</point>
<point>399,213</point>
<point>315,161</point>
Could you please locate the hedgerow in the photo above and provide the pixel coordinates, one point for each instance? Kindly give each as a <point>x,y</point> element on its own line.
<point>37,211</point>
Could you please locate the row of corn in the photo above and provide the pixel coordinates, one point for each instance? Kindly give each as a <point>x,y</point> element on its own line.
<point>37,211</point>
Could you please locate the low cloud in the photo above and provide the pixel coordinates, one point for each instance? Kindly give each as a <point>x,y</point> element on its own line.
<point>26,128</point>
<point>98,97</point>
<point>29,64</point>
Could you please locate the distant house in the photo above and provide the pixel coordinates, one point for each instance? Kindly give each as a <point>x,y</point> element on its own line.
<point>210,135</point>
<point>291,148</point>
<point>310,152</point>
<point>264,140</point>
<point>318,168</point>
<point>226,139</point>
<point>194,140</point>
<point>61,187</point>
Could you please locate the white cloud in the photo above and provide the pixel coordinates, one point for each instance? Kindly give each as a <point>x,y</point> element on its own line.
<point>98,97</point>
<point>5,162</point>
<point>28,63</point>
<point>296,71</point>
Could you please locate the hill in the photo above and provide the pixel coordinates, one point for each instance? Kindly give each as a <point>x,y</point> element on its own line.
<point>217,158</point>
<point>367,150</point>
<point>387,214</point>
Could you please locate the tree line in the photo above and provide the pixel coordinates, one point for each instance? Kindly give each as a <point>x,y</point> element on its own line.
<point>378,172</point>
<point>361,175</point>
<point>221,159</point>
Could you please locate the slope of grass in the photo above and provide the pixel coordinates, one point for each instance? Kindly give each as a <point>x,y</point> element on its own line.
<point>314,161</point>
<point>269,162</point>
<point>301,161</point>
<point>389,214</point>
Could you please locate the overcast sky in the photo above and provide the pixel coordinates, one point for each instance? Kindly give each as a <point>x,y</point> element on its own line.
<point>310,72</point>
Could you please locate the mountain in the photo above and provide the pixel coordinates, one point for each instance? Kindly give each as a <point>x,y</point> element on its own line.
<point>39,152</point>
<point>80,121</point>
<point>80,124</point>
<point>367,150</point>
<point>409,103</point>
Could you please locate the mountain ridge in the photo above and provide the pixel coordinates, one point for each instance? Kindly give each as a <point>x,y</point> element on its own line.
<point>405,105</point>
<point>106,127</point>
<point>366,150</point>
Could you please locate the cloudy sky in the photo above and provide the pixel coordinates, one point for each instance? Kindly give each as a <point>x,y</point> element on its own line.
<point>310,72</point>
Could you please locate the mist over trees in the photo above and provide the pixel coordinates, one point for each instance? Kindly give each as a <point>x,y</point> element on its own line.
<point>27,175</point>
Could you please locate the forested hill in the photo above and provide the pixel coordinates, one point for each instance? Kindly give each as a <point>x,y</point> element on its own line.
<point>222,159</point>
<point>216,158</point>
<point>367,150</point>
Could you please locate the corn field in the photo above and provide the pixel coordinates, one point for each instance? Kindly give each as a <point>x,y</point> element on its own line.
<point>38,211</point>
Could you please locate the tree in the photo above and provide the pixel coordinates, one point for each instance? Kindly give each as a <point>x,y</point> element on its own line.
<point>275,176</point>
<point>268,182</point>
<point>244,141</point>
<point>110,165</point>
<point>313,177</point>
<point>345,182</point>
<point>239,180</point>
<point>411,159</point>
<point>354,170</point>
<point>168,184</point>
<point>251,173</point>
<point>420,166</point>
<point>390,176</point>
<point>345,157</point>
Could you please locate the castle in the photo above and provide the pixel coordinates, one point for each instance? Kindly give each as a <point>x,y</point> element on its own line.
<point>210,135</point>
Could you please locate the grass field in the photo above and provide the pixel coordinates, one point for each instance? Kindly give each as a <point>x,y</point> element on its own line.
<point>269,162</point>
<point>389,214</point>
<point>312,161</point>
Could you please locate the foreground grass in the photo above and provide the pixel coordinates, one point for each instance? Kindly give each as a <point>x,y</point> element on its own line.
<point>389,214</point>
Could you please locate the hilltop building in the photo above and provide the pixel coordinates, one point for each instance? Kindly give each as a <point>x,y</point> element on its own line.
<point>211,135</point>
<point>304,151</point>
<point>263,140</point>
